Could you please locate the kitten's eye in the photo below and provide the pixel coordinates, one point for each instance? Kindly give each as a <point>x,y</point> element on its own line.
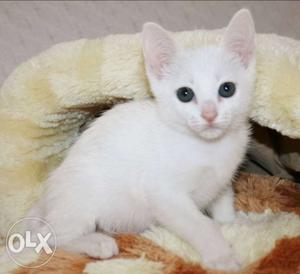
<point>227,89</point>
<point>185,94</point>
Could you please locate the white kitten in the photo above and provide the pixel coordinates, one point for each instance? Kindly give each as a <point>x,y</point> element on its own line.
<point>161,160</point>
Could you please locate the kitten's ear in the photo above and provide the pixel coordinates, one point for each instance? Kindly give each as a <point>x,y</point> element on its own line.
<point>158,47</point>
<point>239,36</point>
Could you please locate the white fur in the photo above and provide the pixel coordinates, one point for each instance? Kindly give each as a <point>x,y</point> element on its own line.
<point>157,160</point>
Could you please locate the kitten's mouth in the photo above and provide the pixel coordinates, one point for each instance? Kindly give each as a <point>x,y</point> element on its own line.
<point>210,126</point>
<point>208,130</point>
<point>211,132</point>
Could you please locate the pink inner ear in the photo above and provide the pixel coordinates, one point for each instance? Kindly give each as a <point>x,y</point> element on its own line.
<point>246,57</point>
<point>243,48</point>
<point>239,36</point>
<point>159,49</point>
<point>160,62</point>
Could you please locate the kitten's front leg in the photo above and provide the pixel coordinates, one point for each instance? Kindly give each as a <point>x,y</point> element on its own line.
<point>222,209</point>
<point>179,213</point>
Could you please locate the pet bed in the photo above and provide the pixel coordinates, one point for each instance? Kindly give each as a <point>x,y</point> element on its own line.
<point>49,100</point>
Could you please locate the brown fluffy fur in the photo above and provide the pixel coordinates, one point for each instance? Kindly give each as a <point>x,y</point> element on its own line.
<point>256,193</point>
<point>253,193</point>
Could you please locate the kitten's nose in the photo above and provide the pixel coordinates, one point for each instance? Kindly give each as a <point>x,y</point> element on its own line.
<point>209,111</point>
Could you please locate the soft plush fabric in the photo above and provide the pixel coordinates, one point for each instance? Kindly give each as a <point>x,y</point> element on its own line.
<point>267,243</point>
<point>272,153</point>
<point>49,100</point>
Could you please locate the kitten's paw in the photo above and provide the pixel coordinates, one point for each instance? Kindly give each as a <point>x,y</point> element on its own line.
<point>227,263</point>
<point>102,247</point>
<point>225,217</point>
<point>220,256</point>
<point>243,221</point>
<point>95,245</point>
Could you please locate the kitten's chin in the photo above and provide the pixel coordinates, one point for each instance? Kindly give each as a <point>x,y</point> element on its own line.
<point>210,133</point>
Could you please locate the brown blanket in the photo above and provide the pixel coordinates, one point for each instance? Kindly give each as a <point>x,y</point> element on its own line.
<point>138,254</point>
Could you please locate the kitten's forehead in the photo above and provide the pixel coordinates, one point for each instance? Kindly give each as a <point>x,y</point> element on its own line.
<point>209,63</point>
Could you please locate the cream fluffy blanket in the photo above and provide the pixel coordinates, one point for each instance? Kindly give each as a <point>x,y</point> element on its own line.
<point>48,101</point>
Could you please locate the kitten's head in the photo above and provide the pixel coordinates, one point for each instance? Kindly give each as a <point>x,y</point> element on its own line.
<point>208,90</point>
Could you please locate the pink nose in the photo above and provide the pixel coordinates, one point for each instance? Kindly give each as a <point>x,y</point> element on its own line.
<point>209,112</point>
<point>209,116</point>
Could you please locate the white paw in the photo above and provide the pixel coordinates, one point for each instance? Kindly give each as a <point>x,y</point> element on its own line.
<point>102,247</point>
<point>227,263</point>
<point>219,255</point>
<point>243,221</point>
<point>223,217</point>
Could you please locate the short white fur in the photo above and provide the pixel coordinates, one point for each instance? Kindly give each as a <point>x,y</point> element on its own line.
<point>158,161</point>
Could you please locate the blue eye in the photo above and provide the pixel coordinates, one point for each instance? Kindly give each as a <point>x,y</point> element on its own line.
<point>185,94</point>
<point>227,89</point>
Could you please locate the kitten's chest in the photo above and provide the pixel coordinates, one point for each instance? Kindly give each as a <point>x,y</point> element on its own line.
<point>197,168</point>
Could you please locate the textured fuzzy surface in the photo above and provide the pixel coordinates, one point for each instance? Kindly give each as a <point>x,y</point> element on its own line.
<point>268,242</point>
<point>47,101</point>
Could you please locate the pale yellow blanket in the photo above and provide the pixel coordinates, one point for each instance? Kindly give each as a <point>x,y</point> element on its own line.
<point>47,101</point>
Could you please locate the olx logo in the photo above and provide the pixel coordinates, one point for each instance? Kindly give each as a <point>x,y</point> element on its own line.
<point>27,241</point>
<point>17,243</point>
